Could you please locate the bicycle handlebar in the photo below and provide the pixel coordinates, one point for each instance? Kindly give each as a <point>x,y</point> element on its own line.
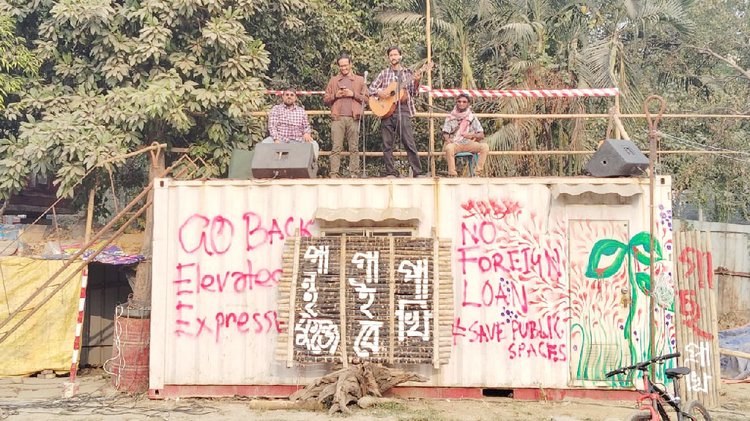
<point>642,365</point>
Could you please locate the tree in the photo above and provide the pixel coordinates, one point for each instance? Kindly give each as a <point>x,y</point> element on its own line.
<point>17,66</point>
<point>120,74</point>
<point>17,63</point>
<point>458,24</point>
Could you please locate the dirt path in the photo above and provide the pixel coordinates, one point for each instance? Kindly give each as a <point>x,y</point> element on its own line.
<point>36,399</point>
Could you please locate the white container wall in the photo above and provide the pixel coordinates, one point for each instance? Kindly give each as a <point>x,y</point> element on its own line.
<point>548,276</point>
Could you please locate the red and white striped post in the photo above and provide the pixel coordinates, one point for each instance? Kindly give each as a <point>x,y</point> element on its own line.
<point>70,388</point>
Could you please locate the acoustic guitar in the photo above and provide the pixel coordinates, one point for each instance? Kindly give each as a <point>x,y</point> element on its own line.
<point>385,107</point>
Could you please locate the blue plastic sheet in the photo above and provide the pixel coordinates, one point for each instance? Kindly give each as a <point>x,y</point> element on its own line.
<point>737,339</point>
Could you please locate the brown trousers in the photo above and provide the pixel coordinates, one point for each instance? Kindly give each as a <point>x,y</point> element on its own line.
<point>451,149</point>
<point>345,128</point>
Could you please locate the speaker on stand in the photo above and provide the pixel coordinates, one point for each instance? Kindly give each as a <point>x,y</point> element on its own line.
<point>617,158</point>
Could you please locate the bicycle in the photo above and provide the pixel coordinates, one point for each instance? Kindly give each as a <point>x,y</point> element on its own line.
<point>659,397</point>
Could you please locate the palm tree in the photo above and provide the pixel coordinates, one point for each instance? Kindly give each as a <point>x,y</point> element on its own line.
<point>457,24</point>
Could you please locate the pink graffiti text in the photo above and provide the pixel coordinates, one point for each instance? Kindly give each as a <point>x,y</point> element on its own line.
<point>216,235</point>
<point>495,294</point>
<point>225,323</point>
<point>522,338</point>
<point>191,279</point>
<point>490,209</point>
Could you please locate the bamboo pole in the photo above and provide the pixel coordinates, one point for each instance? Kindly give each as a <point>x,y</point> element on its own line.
<point>733,353</point>
<point>90,215</point>
<point>428,29</point>
<point>713,320</point>
<point>154,146</point>
<point>615,120</point>
<point>391,297</point>
<point>342,302</point>
<point>293,300</point>
<point>691,336</point>
<point>556,152</point>
<point>680,335</point>
<point>536,116</point>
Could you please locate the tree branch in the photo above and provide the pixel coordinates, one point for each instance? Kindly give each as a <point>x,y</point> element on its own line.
<point>727,60</point>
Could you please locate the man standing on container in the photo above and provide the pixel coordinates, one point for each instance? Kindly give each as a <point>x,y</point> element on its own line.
<point>345,94</point>
<point>406,83</point>
<point>462,132</point>
<point>287,122</point>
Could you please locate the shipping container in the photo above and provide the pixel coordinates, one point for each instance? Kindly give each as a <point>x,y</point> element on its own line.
<point>547,277</point>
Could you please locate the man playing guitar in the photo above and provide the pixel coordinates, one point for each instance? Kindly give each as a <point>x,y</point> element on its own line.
<point>399,84</point>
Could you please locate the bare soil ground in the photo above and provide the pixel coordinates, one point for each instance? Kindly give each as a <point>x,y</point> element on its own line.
<point>38,399</point>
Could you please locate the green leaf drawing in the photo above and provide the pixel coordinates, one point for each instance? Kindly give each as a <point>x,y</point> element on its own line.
<point>642,240</point>
<point>643,281</point>
<point>606,247</point>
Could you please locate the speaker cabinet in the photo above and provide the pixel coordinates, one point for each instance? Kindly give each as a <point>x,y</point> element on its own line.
<point>284,160</point>
<point>240,166</point>
<point>617,158</point>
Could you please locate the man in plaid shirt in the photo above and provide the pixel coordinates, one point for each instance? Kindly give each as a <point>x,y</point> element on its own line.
<point>287,122</point>
<point>398,123</point>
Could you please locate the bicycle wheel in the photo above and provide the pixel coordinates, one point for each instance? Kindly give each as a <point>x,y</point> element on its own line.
<point>639,416</point>
<point>696,410</point>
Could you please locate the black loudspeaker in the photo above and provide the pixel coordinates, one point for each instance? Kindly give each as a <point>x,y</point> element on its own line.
<point>617,158</point>
<point>284,160</point>
<point>240,166</point>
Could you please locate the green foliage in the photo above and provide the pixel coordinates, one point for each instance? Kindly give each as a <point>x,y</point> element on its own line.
<point>120,74</point>
<point>17,63</point>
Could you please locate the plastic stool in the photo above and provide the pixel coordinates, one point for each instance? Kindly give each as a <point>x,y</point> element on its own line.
<point>471,162</point>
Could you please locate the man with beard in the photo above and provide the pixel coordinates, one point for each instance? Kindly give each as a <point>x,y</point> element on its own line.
<point>398,123</point>
<point>462,132</point>
<point>345,94</point>
<point>287,122</point>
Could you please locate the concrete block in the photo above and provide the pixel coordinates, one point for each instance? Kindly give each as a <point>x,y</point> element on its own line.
<point>69,390</point>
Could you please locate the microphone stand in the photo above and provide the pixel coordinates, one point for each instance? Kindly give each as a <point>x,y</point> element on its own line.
<point>399,76</point>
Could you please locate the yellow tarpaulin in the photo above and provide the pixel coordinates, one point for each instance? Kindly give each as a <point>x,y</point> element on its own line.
<point>45,341</point>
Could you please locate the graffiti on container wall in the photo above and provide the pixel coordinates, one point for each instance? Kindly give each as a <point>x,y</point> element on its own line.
<point>610,289</point>
<point>511,265</point>
<point>381,308</point>
<point>204,241</point>
<point>619,269</point>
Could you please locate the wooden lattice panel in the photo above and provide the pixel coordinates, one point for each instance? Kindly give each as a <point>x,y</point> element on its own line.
<point>396,295</point>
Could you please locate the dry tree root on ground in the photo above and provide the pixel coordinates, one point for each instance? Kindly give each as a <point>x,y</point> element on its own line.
<point>351,384</point>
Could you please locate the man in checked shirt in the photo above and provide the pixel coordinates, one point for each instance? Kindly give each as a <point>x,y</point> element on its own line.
<point>287,122</point>
<point>398,123</point>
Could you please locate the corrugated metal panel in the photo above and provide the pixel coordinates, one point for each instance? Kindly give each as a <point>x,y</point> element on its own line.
<point>217,255</point>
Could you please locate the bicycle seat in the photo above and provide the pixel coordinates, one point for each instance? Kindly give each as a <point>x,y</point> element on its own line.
<point>675,373</point>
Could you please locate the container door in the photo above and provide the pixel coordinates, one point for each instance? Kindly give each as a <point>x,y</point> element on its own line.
<point>599,301</point>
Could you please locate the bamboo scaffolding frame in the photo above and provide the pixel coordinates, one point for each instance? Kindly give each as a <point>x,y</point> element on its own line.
<point>421,114</point>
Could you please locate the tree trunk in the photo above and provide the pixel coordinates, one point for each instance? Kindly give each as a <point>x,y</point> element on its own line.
<point>142,284</point>
<point>340,388</point>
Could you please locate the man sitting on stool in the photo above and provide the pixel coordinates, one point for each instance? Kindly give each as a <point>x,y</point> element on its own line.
<point>462,132</point>
<point>287,122</point>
